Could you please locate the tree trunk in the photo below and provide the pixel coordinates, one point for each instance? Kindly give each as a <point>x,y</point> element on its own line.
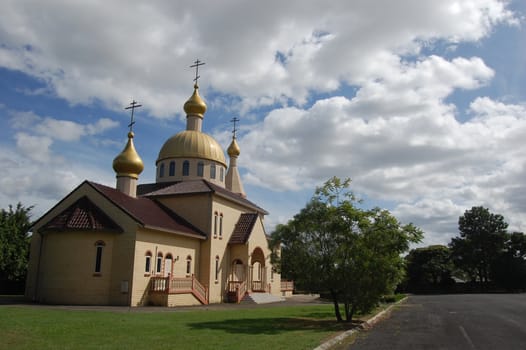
<point>336,306</point>
<point>350,315</point>
<point>349,311</point>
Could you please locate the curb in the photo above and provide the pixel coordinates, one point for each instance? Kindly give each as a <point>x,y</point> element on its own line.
<point>369,323</point>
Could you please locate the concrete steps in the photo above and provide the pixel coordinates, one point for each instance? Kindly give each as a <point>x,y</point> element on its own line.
<point>260,298</point>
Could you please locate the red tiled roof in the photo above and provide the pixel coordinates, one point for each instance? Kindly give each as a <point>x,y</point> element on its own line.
<point>243,228</point>
<point>148,212</point>
<point>197,186</point>
<point>82,215</point>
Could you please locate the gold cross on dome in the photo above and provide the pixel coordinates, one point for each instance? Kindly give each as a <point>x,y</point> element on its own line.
<point>196,64</point>
<point>132,106</point>
<point>234,120</point>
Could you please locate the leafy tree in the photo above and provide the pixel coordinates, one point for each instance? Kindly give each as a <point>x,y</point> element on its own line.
<point>509,268</point>
<point>14,243</point>
<point>482,238</point>
<point>354,254</point>
<point>429,268</point>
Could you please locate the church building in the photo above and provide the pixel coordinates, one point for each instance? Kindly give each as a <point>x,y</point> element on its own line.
<point>190,238</point>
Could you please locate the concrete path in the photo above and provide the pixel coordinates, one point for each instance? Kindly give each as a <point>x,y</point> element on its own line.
<point>299,299</point>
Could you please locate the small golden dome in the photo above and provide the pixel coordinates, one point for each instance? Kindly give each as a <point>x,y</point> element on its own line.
<point>192,144</point>
<point>195,104</point>
<point>128,162</point>
<point>233,150</point>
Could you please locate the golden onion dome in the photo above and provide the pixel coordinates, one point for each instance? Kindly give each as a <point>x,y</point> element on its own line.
<point>128,162</point>
<point>192,144</point>
<point>233,150</point>
<point>195,104</point>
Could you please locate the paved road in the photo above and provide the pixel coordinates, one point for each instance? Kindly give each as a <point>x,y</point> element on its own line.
<point>474,321</point>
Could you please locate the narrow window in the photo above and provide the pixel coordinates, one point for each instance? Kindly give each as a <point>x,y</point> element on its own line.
<point>99,245</point>
<point>168,265</point>
<point>171,171</point>
<point>161,170</point>
<point>200,169</point>
<point>217,268</point>
<point>221,174</point>
<point>212,171</point>
<point>221,225</point>
<point>186,168</point>
<point>215,223</point>
<point>158,268</point>
<point>147,262</point>
<point>188,264</point>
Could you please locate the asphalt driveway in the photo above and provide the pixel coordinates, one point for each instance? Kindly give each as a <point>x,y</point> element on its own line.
<point>467,321</point>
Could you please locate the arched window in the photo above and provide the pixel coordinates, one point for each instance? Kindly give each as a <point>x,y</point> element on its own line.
<point>171,170</point>
<point>215,223</point>
<point>221,225</point>
<point>99,246</point>
<point>200,169</point>
<point>188,264</point>
<point>161,170</point>
<point>186,168</point>
<point>212,171</point>
<point>159,264</point>
<point>217,268</point>
<point>221,174</point>
<point>148,262</point>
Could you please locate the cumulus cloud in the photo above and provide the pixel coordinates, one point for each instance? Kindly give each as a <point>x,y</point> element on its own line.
<point>350,91</point>
<point>57,129</point>
<point>35,173</point>
<point>256,52</point>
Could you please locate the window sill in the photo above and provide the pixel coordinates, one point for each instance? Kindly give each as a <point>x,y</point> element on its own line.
<point>146,275</point>
<point>97,274</point>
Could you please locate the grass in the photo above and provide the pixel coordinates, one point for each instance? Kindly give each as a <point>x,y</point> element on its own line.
<point>287,327</point>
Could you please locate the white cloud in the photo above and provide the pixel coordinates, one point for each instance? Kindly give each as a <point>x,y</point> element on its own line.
<point>111,56</point>
<point>57,129</point>
<point>397,138</point>
<point>34,147</point>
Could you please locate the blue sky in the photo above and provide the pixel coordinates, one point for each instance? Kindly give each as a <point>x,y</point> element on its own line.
<point>421,103</point>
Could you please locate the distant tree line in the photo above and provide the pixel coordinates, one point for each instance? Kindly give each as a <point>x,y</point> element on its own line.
<point>485,256</point>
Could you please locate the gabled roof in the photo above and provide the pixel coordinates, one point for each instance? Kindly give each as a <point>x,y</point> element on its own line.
<point>193,187</point>
<point>82,215</point>
<point>243,228</point>
<point>148,212</point>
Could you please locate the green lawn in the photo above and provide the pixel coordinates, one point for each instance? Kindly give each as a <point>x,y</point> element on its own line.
<point>288,327</point>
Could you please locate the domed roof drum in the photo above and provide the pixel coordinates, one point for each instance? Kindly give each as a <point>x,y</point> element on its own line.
<point>192,144</point>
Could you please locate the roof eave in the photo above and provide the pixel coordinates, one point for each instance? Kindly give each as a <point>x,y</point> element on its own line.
<point>162,229</point>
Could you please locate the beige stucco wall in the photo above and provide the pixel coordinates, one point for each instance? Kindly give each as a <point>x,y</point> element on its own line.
<point>258,239</point>
<point>193,208</point>
<point>180,247</point>
<point>67,274</point>
<point>61,265</point>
